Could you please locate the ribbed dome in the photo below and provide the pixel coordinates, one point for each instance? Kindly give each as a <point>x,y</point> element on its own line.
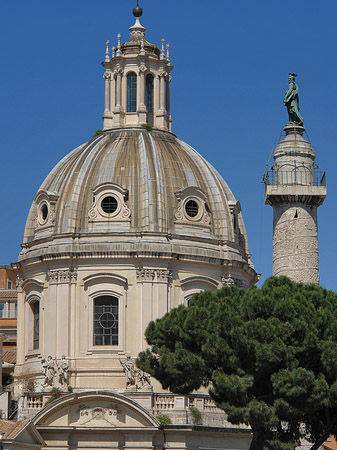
<point>152,167</point>
<point>163,198</point>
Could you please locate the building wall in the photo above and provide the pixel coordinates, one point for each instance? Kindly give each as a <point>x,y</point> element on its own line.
<point>7,275</point>
<point>66,299</point>
<point>8,305</point>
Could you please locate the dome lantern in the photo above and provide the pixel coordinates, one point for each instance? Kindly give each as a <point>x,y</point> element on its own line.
<point>137,82</point>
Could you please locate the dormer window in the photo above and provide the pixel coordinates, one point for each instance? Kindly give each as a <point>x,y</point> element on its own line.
<point>109,206</point>
<point>131,92</point>
<point>192,210</point>
<point>45,211</point>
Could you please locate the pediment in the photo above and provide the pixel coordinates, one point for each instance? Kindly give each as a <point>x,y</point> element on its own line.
<point>95,409</point>
<point>29,436</point>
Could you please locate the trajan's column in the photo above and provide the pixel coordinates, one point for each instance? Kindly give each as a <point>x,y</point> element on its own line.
<point>295,188</point>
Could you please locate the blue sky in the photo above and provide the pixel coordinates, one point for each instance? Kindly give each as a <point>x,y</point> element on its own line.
<point>231,66</point>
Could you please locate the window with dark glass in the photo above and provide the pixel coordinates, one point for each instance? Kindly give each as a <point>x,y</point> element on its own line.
<point>44,211</point>
<point>106,320</point>
<point>192,208</point>
<point>109,204</point>
<point>36,325</point>
<point>149,93</point>
<point>132,92</point>
<point>115,91</point>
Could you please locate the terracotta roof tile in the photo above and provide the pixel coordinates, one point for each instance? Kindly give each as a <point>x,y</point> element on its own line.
<point>9,356</point>
<point>11,428</point>
<point>18,426</point>
<point>8,293</point>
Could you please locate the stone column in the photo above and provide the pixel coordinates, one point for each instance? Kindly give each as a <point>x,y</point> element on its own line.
<point>161,115</point>
<point>142,106</point>
<point>107,116</point>
<point>162,92</point>
<point>119,89</point>
<point>295,190</point>
<point>112,93</point>
<point>295,242</point>
<point>107,77</point>
<point>118,107</point>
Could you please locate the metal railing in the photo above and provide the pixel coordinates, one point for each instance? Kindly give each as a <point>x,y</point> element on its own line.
<point>297,176</point>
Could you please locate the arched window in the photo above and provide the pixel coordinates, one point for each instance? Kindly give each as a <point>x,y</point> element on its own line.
<point>149,93</point>
<point>115,82</point>
<point>106,320</point>
<point>132,92</point>
<point>36,324</point>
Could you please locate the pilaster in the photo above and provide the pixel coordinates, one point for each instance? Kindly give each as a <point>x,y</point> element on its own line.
<point>61,284</point>
<point>154,288</point>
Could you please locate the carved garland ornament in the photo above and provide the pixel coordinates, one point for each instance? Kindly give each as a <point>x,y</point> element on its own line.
<point>62,276</point>
<point>107,76</point>
<point>142,68</point>
<point>153,275</point>
<point>231,281</point>
<point>99,413</point>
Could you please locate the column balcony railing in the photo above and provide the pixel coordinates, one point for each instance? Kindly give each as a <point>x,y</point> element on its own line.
<point>298,176</point>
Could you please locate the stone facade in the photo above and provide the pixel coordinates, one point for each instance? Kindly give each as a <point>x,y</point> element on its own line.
<point>125,228</point>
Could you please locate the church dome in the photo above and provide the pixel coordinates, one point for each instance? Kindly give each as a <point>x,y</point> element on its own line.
<point>133,182</point>
<point>126,227</point>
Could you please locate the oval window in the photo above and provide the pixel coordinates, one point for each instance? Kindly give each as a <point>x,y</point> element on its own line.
<point>192,208</point>
<point>109,204</point>
<point>44,212</point>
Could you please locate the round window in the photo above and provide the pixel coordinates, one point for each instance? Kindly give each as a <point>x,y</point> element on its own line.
<point>44,212</point>
<point>192,208</point>
<point>107,320</point>
<point>109,204</point>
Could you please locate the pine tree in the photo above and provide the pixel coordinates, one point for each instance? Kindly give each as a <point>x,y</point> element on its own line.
<point>269,355</point>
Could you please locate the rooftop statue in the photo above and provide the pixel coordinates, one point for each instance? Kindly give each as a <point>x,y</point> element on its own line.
<point>291,101</point>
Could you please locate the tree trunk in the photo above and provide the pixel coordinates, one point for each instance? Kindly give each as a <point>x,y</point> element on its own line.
<point>320,441</point>
<point>331,429</point>
<point>257,442</point>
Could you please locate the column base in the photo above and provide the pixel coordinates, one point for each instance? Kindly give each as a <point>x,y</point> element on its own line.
<point>162,120</point>
<point>107,120</point>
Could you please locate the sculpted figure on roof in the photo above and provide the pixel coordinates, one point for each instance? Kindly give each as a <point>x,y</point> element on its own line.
<point>291,101</point>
